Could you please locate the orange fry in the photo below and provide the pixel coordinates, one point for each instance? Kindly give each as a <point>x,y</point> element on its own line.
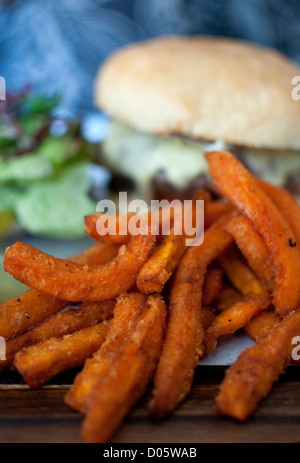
<point>212,285</point>
<point>243,190</point>
<point>57,325</point>
<point>234,318</point>
<point>184,336</point>
<point>286,204</point>
<point>74,282</point>
<point>19,314</point>
<point>26,310</point>
<point>98,254</point>
<point>40,362</point>
<point>159,268</point>
<point>251,377</point>
<point>253,248</point>
<point>213,210</point>
<point>262,325</point>
<point>128,376</point>
<point>228,296</point>
<point>240,275</point>
<point>128,308</point>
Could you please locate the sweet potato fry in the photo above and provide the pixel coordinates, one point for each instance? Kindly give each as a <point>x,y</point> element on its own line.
<point>234,318</point>
<point>128,376</point>
<point>40,362</point>
<point>184,336</point>
<point>213,210</point>
<point>251,377</point>
<point>159,268</point>
<point>243,190</point>
<point>286,204</point>
<point>74,282</point>
<point>253,248</point>
<point>261,325</point>
<point>212,285</point>
<point>128,308</point>
<point>19,314</point>
<point>240,275</point>
<point>98,254</point>
<point>57,325</point>
<point>26,310</point>
<point>228,296</point>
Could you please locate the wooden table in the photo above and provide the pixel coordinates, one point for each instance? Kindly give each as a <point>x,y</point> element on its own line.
<point>41,416</point>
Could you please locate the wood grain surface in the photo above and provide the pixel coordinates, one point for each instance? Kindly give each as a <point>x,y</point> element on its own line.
<point>42,416</point>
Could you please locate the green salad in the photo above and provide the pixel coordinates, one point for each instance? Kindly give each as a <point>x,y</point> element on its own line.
<point>43,177</point>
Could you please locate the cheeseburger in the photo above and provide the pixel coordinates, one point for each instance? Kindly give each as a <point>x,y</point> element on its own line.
<point>173,98</point>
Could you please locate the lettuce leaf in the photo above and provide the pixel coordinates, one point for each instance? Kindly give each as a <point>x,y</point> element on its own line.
<point>25,168</point>
<point>56,207</point>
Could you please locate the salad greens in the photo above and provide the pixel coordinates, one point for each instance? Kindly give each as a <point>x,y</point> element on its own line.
<point>56,206</point>
<point>43,179</point>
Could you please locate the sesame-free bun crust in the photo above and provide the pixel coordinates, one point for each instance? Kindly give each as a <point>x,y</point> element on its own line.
<point>205,88</point>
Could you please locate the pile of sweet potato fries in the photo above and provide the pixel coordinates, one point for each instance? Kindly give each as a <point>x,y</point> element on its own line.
<point>150,306</point>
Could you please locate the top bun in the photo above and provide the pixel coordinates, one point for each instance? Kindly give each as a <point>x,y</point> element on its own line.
<point>206,88</point>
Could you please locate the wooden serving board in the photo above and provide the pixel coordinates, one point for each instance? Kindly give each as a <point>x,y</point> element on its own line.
<point>41,415</point>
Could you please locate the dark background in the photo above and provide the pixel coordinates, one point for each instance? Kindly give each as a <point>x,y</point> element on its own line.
<point>57,45</point>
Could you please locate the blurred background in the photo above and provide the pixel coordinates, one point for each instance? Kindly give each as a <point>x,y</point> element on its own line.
<point>50,52</point>
<point>57,45</point>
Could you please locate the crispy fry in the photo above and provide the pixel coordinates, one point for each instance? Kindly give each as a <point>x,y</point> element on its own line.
<point>128,308</point>
<point>74,282</point>
<point>251,242</point>
<point>98,254</point>
<point>213,210</point>
<point>261,325</point>
<point>30,308</point>
<point>128,376</point>
<point>240,275</point>
<point>228,296</point>
<point>26,310</point>
<point>57,325</point>
<point>234,318</point>
<point>251,377</point>
<point>239,187</point>
<point>184,336</point>
<point>212,285</point>
<point>286,204</point>
<point>159,268</point>
<point>253,248</point>
<point>40,362</point>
